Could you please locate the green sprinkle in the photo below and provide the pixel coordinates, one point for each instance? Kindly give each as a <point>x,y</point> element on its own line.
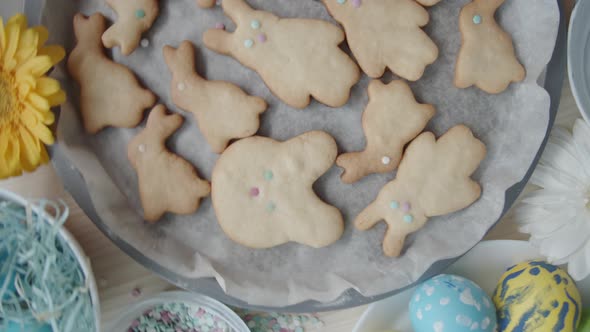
<point>394,205</point>
<point>268,175</point>
<point>248,43</point>
<point>270,207</point>
<point>255,24</point>
<point>477,19</point>
<point>341,1</point>
<point>408,218</point>
<point>140,13</point>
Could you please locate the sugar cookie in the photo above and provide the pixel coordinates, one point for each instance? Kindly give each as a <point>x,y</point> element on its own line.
<point>433,179</point>
<point>109,92</point>
<point>296,58</point>
<point>167,183</point>
<point>206,3</point>
<point>386,33</point>
<point>428,3</point>
<point>222,109</point>
<point>392,119</point>
<point>262,191</point>
<point>487,58</point>
<point>134,17</point>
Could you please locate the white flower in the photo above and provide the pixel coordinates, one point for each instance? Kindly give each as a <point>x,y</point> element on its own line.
<point>558,215</point>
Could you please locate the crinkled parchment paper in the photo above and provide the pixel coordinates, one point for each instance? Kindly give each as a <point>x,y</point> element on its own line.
<point>511,124</point>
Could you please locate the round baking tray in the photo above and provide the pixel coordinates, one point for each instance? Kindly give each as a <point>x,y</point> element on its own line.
<point>74,183</point>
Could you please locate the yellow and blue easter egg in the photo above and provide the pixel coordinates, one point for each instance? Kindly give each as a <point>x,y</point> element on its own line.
<point>536,296</point>
<point>449,303</point>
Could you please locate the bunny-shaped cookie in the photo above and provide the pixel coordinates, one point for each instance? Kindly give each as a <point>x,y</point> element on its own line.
<point>392,119</point>
<point>433,179</point>
<point>167,183</point>
<point>109,92</point>
<point>386,33</point>
<point>223,110</point>
<point>134,17</point>
<point>262,191</point>
<point>487,58</point>
<point>296,58</point>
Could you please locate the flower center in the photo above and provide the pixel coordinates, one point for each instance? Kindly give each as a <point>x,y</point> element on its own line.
<point>7,99</point>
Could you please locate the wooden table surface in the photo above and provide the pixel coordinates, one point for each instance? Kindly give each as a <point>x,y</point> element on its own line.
<point>117,274</point>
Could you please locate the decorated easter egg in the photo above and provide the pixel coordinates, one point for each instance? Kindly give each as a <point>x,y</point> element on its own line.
<point>537,297</point>
<point>449,303</point>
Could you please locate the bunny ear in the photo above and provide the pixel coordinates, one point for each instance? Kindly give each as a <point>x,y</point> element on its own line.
<point>84,25</point>
<point>491,4</point>
<point>180,60</point>
<point>317,149</point>
<point>161,123</point>
<point>236,9</point>
<point>218,40</point>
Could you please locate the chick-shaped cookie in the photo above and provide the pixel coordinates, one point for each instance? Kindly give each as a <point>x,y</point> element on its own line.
<point>222,109</point>
<point>392,119</point>
<point>134,17</point>
<point>433,179</point>
<point>297,58</point>
<point>487,58</point>
<point>109,92</point>
<point>263,196</point>
<point>167,183</point>
<point>386,33</point>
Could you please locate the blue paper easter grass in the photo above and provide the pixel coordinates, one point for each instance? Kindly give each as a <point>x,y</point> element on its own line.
<point>43,285</point>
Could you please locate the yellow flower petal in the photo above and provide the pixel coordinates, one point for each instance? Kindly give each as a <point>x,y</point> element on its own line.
<point>30,150</point>
<point>27,45</point>
<point>26,78</point>
<point>47,86</point>
<point>36,66</point>
<point>55,52</point>
<point>19,20</point>
<point>43,34</point>
<point>12,34</point>
<point>30,116</point>
<point>44,155</point>
<point>4,138</point>
<point>2,37</point>
<point>43,133</point>
<point>48,118</point>
<point>24,88</point>
<point>38,102</point>
<point>57,98</point>
<point>12,158</point>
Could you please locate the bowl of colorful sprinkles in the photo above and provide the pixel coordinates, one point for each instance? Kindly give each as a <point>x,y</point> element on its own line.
<point>46,282</point>
<point>178,312</point>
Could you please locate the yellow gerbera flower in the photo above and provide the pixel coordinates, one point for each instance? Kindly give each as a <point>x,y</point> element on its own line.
<point>26,95</point>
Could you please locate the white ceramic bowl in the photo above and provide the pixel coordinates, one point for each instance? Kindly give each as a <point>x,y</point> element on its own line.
<point>578,56</point>
<point>122,323</point>
<point>74,246</point>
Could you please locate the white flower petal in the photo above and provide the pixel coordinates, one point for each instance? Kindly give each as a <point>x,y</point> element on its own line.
<point>562,158</point>
<point>548,177</point>
<point>555,197</point>
<point>581,140</point>
<point>545,227</point>
<point>579,264</point>
<point>566,240</point>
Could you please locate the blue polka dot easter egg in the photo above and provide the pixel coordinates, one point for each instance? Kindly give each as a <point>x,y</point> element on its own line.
<point>449,303</point>
<point>537,297</point>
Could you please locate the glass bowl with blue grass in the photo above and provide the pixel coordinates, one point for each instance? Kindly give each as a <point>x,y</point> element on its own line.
<point>46,282</point>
